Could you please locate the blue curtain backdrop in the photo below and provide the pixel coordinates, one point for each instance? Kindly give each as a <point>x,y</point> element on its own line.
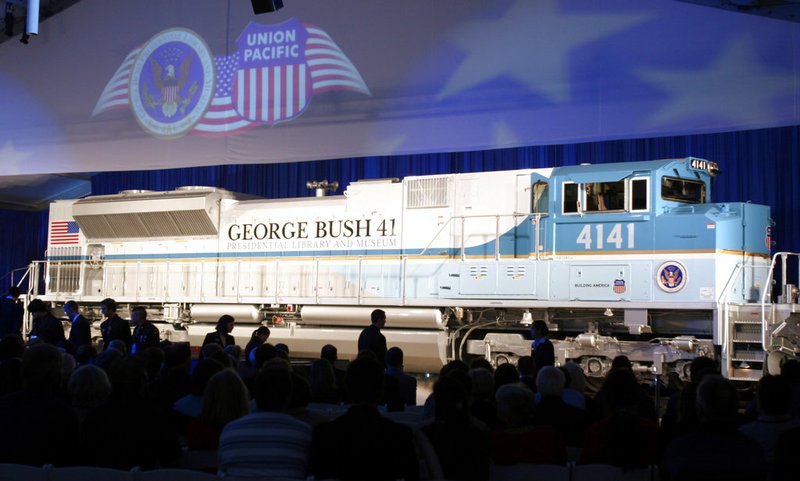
<point>761,166</point>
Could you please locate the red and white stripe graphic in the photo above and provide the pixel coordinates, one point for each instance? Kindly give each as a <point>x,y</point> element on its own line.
<point>115,95</point>
<point>272,94</point>
<point>64,233</point>
<point>329,67</point>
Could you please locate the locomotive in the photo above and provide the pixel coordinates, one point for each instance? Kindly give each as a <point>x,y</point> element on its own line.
<point>618,259</point>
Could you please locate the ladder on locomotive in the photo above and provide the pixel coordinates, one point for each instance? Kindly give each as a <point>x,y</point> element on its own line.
<point>758,336</point>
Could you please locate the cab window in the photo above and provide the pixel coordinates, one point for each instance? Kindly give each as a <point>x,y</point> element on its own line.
<point>605,196</point>
<point>683,190</point>
<point>570,205</point>
<point>540,203</point>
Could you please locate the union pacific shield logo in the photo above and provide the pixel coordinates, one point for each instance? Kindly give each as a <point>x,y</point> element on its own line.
<point>273,82</point>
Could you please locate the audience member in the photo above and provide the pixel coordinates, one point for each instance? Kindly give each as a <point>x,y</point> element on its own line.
<point>88,388</point>
<point>481,361</point>
<point>11,313</point>
<point>282,350</point>
<point>515,443</point>
<point>114,327</point>
<point>551,410</point>
<point>461,443</point>
<point>406,392</point>
<point>45,326</point>
<point>11,376</point>
<point>267,443</point>
<point>774,398</point>
<point>258,338</point>
<point>716,450</point>
<point>506,373</point>
<point>363,445</point>
<point>11,346</point>
<point>371,339</point>
<point>190,405</point>
<point>322,383</point>
<point>526,375</point>
<point>129,431</point>
<point>298,404</point>
<point>331,354</point>
<point>482,404</point>
<point>225,399</point>
<point>85,354</point>
<point>680,417</point>
<point>623,438</point>
<point>222,332</point>
<point>80,331</point>
<point>145,333</point>
<point>790,370</point>
<point>38,426</point>
<point>575,391</point>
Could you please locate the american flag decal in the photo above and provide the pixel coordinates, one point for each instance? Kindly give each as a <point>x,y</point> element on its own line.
<point>619,286</point>
<point>64,233</point>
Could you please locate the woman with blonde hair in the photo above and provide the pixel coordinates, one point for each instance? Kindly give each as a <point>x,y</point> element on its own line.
<point>225,399</point>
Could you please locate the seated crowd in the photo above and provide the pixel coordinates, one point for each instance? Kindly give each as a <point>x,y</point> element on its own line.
<point>144,406</point>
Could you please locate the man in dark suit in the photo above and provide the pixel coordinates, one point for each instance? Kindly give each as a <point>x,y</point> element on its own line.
<point>114,327</point>
<point>145,333</point>
<point>371,338</point>
<point>11,313</point>
<point>45,326</point>
<point>79,333</point>
<point>362,444</point>
<point>542,350</point>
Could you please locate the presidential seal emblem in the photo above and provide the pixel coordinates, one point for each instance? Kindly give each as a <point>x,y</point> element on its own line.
<point>671,276</point>
<point>171,83</point>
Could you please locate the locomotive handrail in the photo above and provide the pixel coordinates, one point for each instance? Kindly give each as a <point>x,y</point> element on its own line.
<point>768,290</point>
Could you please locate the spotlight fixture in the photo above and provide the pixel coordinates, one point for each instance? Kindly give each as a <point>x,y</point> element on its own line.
<point>266,6</point>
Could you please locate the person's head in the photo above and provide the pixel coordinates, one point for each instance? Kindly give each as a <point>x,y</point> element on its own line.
<point>261,334</point>
<point>321,377</point>
<point>790,370</point>
<point>41,368</point>
<point>282,350</point>
<point>88,387</point>
<point>263,354</point>
<point>38,308</point>
<point>225,324</point>
<point>11,346</point>
<point>525,366</point>
<point>481,362</point>
<point>394,357</point>
<point>225,398</point>
<point>717,401</point>
<point>774,394</point>
<point>234,352</point>
<point>128,378</point>
<point>514,405</point>
<point>550,381</point>
<point>505,374</point>
<point>577,380</point>
<point>451,401</point>
<point>13,292</point>
<point>329,353</point>
<point>84,354</point>
<point>481,383</point>
<point>108,307</point>
<point>621,362</point>
<point>378,318</point>
<point>71,308</point>
<point>209,350</point>
<point>364,380</point>
<point>118,345</point>
<point>138,315</point>
<point>178,355</point>
<point>273,387</point>
<point>621,392</point>
<point>201,374</point>
<point>700,367</point>
<point>539,329</point>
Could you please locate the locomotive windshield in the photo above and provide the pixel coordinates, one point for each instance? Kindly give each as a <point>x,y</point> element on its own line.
<point>683,190</point>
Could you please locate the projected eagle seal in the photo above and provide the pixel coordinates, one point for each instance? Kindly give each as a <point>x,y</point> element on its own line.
<point>171,83</point>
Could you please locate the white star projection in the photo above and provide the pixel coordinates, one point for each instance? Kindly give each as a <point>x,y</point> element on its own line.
<point>733,87</point>
<point>531,44</point>
<point>11,159</point>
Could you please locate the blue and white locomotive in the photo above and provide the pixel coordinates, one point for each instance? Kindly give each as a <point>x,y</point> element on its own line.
<point>625,258</point>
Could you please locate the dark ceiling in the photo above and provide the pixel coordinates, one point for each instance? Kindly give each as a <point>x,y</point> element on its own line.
<point>778,9</point>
